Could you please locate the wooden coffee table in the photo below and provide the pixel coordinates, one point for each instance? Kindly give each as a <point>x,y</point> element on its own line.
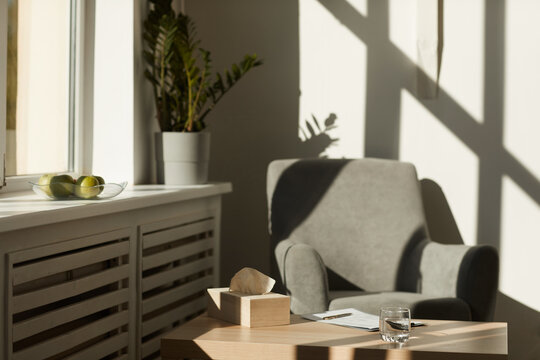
<point>208,338</point>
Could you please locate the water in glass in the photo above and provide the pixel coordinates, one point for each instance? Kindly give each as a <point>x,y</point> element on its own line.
<point>394,324</point>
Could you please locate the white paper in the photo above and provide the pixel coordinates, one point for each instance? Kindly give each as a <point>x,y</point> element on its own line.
<point>357,319</point>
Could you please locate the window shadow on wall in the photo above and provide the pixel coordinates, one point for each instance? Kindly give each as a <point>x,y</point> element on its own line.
<point>388,72</point>
<point>382,132</point>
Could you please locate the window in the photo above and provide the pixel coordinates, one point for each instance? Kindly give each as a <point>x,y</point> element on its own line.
<point>40,85</point>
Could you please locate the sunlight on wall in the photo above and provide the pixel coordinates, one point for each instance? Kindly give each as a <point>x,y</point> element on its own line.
<point>519,245</point>
<point>403,26</point>
<point>439,155</point>
<point>462,68</point>
<point>113,91</point>
<point>360,6</point>
<point>522,128</point>
<point>332,78</point>
<point>520,223</point>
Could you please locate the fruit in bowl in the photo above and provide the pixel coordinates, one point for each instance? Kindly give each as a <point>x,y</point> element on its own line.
<point>64,187</point>
<point>101,182</point>
<point>61,186</point>
<point>88,186</point>
<point>44,183</point>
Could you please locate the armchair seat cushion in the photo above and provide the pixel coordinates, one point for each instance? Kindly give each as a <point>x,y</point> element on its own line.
<point>422,306</point>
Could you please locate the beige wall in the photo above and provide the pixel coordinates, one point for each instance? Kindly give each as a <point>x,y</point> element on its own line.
<point>257,121</point>
<point>356,59</point>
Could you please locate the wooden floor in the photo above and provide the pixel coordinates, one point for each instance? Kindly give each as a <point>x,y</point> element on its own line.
<point>209,338</point>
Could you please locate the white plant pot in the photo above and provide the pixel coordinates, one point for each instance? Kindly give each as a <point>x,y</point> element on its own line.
<point>182,158</point>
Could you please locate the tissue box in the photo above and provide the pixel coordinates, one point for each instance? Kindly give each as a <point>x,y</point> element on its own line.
<point>249,310</point>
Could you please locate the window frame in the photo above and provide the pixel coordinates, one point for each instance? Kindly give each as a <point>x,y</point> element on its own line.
<point>75,134</point>
<point>3,88</point>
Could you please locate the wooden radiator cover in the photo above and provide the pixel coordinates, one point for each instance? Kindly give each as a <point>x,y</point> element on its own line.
<point>108,286</point>
<point>71,299</point>
<point>177,268</point>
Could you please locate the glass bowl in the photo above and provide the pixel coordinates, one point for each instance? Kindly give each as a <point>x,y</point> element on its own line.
<point>67,191</point>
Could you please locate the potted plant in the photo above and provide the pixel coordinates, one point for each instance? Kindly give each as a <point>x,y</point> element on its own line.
<point>185,92</point>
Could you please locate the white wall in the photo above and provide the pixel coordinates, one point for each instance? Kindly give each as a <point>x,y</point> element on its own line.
<point>113,90</point>
<point>356,59</point>
<point>520,210</point>
<point>333,64</point>
<point>123,123</point>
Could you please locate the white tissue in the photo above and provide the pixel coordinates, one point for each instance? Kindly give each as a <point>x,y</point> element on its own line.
<point>251,282</point>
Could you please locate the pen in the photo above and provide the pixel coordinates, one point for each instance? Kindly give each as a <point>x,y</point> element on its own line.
<point>336,316</point>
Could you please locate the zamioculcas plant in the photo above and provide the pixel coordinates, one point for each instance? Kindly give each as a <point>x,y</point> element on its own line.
<point>185,88</point>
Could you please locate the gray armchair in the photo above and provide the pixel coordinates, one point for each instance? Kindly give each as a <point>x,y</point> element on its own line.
<point>352,233</point>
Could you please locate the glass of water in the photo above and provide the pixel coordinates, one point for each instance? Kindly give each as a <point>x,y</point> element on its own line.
<point>395,324</point>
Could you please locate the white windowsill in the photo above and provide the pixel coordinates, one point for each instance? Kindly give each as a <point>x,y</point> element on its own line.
<point>26,209</point>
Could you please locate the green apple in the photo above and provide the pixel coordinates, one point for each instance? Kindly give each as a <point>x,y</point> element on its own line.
<point>44,182</point>
<point>61,186</point>
<point>101,182</point>
<point>88,187</point>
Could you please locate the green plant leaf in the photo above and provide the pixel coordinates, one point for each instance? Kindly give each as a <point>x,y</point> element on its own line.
<point>185,89</point>
<point>236,71</point>
<point>230,81</point>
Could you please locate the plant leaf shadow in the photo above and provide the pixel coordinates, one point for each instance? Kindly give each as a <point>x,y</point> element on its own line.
<point>317,137</point>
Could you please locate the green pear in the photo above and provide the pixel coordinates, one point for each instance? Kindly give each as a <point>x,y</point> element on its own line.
<point>44,182</point>
<point>88,187</point>
<point>61,186</point>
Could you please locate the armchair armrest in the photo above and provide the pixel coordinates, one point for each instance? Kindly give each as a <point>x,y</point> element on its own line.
<point>478,281</point>
<point>304,276</point>
<point>467,272</point>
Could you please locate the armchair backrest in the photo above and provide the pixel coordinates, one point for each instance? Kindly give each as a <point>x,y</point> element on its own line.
<point>361,215</point>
